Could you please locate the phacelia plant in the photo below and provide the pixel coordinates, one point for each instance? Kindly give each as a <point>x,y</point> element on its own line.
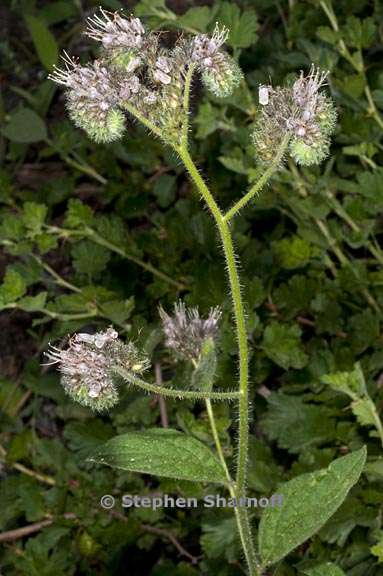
<point>136,74</point>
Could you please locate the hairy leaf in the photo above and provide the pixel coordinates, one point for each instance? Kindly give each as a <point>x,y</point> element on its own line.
<point>308,502</point>
<point>161,452</point>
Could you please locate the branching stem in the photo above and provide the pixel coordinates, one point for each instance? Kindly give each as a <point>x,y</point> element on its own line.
<point>172,392</point>
<point>260,183</point>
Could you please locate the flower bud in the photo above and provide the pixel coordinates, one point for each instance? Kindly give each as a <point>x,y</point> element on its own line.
<point>87,364</point>
<point>102,128</point>
<point>220,73</point>
<point>309,154</point>
<point>224,78</point>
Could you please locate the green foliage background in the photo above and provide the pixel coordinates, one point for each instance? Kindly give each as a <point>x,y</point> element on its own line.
<point>97,235</point>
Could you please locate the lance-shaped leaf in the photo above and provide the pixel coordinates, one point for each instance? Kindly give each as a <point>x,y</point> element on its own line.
<point>161,452</point>
<point>308,502</point>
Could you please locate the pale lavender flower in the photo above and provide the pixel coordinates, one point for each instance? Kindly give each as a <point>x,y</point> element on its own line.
<point>162,70</point>
<point>86,366</point>
<point>220,73</point>
<point>186,331</point>
<point>302,112</point>
<point>115,31</point>
<point>205,49</point>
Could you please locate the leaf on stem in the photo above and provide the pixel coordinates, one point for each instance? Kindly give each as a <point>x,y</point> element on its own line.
<point>308,502</point>
<point>161,452</point>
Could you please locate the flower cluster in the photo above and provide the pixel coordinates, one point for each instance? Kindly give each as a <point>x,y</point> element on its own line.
<point>86,366</point>
<point>186,331</point>
<point>134,71</point>
<point>303,113</point>
<point>220,73</point>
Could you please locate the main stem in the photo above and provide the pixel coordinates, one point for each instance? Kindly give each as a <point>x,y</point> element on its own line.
<point>239,315</point>
<point>235,289</point>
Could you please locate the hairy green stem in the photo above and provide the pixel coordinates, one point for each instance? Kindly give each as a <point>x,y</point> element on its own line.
<point>218,445</point>
<point>239,315</point>
<point>261,182</point>
<point>172,392</point>
<point>241,513</point>
<point>185,105</point>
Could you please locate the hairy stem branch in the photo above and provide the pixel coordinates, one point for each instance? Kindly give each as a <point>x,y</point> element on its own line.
<point>260,183</point>
<point>172,392</point>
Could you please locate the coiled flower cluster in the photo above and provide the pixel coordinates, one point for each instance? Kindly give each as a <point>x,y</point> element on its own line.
<point>301,112</point>
<point>86,366</point>
<point>186,332</point>
<point>135,72</point>
<point>220,73</point>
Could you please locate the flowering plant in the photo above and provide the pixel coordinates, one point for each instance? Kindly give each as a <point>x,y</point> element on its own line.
<point>136,74</point>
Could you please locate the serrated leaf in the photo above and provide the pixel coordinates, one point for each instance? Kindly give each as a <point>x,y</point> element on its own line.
<point>33,303</point>
<point>297,425</point>
<point>327,34</point>
<point>44,42</point>
<point>308,502</point>
<point>12,288</point>
<point>282,344</point>
<point>325,569</point>
<point>292,252</point>
<point>221,539</point>
<point>25,126</point>
<point>363,412</point>
<point>195,19</point>
<point>90,258</point>
<point>34,215</point>
<point>351,383</point>
<point>161,452</point>
<point>78,214</point>
<point>242,26</point>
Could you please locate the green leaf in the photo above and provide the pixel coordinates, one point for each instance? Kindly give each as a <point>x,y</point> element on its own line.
<point>297,425</point>
<point>282,344</point>
<point>350,383</point>
<point>33,303</point>
<point>90,258</point>
<point>325,569</point>
<point>359,33</point>
<point>44,42</point>
<point>292,252</point>
<point>220,539</point>
<point>377,549</point>
<point>12,288</point>
<point>242,25</point>
<point>34,215</point>
<point>161,452</point>
<point>362,409</point>
<point>165,190</point>
<point>327,34</point>
<point>25,126</point>
<point>196,19</point>
<point>308,502</point>
<point>78,214</point>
